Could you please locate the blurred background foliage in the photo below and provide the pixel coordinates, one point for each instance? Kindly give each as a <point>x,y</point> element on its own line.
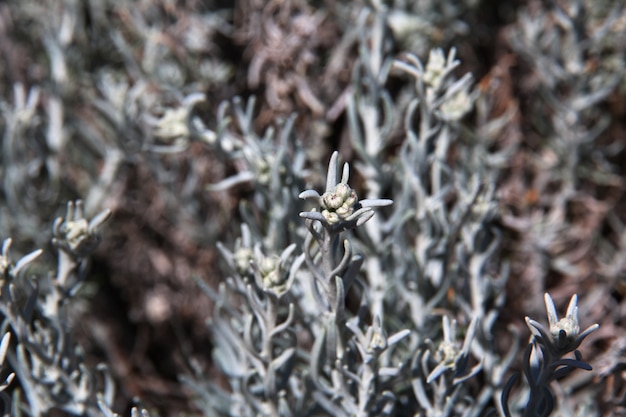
<point>98,97</point>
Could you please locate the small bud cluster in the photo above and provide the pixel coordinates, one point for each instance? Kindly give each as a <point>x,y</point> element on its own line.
<point>563,335</point>
<point>451,356</point>
<point>241,259</point>
<point>457,106</point>
<point>435,71</point>
<point>273,277</point>
<point>339,204</point>
<point>74,233</point>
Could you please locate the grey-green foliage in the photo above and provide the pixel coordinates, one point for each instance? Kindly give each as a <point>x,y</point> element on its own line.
<point>48,366</point>
<point>108,94</point>
<point>576,52</point>
<point>345,306</point>
<point>420,269</point>
<point>48,370</point>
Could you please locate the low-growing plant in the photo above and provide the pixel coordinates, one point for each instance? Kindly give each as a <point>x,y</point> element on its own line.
<point>384,286</point>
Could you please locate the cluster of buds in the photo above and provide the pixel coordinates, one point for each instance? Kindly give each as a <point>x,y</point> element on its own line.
<point>174,126</point>
<point>75,234</point>
<point>339,203</point>
<point>275,274</point>
<point>272,275</point>
<point>564,335</point>
<point>457,106</point>
<point>263,169</point>
<point>437,68</point>
<point>374,341</point>
<point>242,256</point>
<point>450,98</point>
<point>453,356</point>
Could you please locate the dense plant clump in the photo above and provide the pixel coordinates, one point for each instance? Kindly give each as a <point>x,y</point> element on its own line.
<point>292,208</point>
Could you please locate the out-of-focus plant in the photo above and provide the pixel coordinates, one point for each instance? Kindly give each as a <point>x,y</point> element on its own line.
<point>336,301</point>
<point>48,366</point>
<point>576,53</point>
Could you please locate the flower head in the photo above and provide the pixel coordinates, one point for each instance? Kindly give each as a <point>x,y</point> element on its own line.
<point>564,334</point>
<point>374,341</point>
<point>74,233</point>
<point>451,355</point>
<point>456,106</point>
<point>435,68</point>
<point>340,206</point>
<point>275,274</point>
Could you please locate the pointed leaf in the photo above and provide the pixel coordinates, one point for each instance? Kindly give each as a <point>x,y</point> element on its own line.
<point>396,337</point>
<point>309,194</point>
<point>4,346</point>
<point>553,317</point>
<point>331,176</point>
<point>25,260</point>
<point>98,220</point>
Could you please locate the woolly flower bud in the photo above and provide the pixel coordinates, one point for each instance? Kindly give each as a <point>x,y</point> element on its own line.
<point>345,210</point>
<point>456,106</point>
<point>332,201</point>
<point>378,341</point>
<point>273,277</point>
<point>267,265</point>
<point>563,335</point>
<point>242,258</point>
<point>275,281</point>
<point>339,203</point>
<point>76,232</point>
<point>173,124</point>
<point>342,194</point>
<point>448,353</point>
<point>331,217</point>
<point>435,68</point>
<point>568,325</point>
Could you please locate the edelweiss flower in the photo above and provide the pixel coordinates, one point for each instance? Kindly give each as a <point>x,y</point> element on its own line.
<point>339,203</point>
<point>74,233</point>
<point>563,335</point>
